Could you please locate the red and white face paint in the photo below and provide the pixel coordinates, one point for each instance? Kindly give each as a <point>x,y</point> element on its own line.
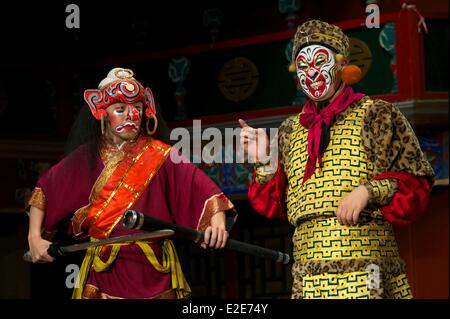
<point>128,91</point>
<point>316,70</point>
<point>124,120</point>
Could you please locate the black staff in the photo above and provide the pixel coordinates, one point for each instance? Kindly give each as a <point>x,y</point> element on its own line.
<point>56,250</point>
<point>136,220</point>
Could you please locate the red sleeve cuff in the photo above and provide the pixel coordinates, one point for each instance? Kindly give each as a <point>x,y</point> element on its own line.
<point>268,198</point>
<point>410,200</point>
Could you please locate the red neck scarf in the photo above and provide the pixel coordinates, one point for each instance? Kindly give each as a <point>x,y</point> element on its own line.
<point>313,120</point>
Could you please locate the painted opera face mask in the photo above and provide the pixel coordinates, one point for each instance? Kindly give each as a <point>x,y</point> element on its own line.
<point>120,104</point>
<point>124,121</point>
<point>317,71</point>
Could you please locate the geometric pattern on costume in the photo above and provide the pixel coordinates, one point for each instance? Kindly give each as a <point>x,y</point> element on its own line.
<point>312,206</point>
<point>381,191</point>
<point>325,238</point>
<point>398,287</point>
<point>351,278</point>
<point>339,286</point>
<point>345,167</point>
<point>353,285</point>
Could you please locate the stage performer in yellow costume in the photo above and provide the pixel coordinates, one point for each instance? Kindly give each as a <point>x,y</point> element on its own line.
<point>348,168</point>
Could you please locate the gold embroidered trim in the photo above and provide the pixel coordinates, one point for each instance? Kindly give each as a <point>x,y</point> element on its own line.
<point>214,204</point>
<point>38,199</point>
<point>81,214</point>
<point>131,189</point>
<point>113,193</point>
<point>150,177</point>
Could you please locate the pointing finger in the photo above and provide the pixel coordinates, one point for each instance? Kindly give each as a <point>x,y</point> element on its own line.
<point>243,123</point>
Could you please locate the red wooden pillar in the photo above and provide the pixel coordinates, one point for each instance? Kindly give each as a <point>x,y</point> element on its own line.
<point>410,53</point>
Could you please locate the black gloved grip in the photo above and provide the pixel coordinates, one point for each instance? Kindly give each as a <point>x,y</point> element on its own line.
<point>54,250</point>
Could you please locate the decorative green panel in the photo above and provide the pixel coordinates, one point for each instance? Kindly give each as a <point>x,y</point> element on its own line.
<point>379,78</point>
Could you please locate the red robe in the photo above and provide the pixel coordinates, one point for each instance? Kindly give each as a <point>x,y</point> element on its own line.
<point>179,193</point>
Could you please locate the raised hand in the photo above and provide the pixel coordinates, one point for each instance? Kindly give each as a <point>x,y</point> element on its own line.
<point>254,142</point>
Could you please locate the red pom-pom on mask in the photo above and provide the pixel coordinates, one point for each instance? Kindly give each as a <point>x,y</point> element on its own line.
<point>351,74</point>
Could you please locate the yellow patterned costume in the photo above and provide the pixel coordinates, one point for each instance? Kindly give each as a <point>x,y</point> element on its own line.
<point>366,142</point>
<point>319,239</point>
<point>334,260</point>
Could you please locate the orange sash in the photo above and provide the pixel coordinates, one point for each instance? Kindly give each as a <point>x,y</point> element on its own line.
<point>120,184</point>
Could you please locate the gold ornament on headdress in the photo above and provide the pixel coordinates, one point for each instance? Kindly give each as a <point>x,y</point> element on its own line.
<point>129,86</point>
<point>123,74</point>
<point>291,68</point>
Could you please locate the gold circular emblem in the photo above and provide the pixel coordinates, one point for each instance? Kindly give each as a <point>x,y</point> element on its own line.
<point>238,79</point>
<point>130,87</point>
<point>360,55</point>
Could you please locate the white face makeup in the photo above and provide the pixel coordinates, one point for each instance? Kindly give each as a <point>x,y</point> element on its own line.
<point>316,70</point>
<point>124,120</point>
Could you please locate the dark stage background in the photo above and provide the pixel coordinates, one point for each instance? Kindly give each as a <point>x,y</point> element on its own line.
<point>45,67</point>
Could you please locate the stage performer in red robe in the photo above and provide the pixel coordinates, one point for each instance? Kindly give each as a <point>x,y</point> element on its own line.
<point>123,167</point>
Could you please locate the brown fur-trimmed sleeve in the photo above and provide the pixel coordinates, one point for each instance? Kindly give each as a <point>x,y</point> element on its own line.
<point>284,133</point>
<point>390,142</point>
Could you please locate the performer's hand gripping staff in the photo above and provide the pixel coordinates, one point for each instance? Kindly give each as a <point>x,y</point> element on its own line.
<point>136,220</point>
<point>56,250</point>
